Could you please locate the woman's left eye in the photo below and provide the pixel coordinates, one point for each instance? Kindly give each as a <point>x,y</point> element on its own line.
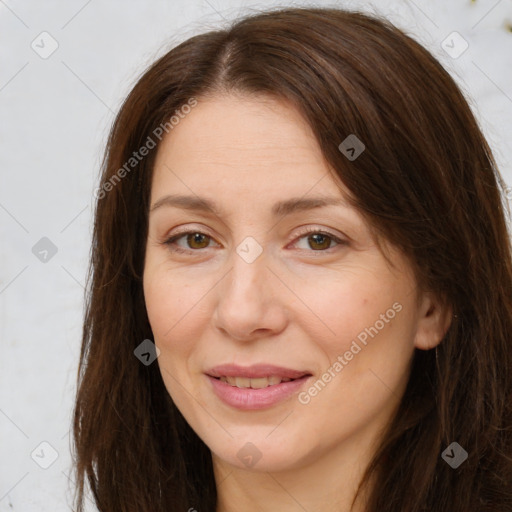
<point>316,240</point>
<point>321,240</point>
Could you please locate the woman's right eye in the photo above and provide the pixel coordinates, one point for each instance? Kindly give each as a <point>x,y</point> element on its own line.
<point>194,239</point>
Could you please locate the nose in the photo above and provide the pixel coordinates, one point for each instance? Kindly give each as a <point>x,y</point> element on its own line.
<point>250,301</point>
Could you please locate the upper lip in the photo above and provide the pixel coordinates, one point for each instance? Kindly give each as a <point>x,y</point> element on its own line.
<point>255,371</point>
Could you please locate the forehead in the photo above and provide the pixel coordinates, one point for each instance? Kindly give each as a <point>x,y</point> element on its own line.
<point>235,144</point>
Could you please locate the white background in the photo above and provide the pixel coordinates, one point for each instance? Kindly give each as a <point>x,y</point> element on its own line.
<point>55,114</point>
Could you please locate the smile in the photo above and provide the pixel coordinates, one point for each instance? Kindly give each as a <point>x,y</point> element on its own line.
<point>258,383</point>
<point>258,386</point>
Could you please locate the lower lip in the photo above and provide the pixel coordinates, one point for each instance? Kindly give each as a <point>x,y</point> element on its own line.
<point>253,399</point>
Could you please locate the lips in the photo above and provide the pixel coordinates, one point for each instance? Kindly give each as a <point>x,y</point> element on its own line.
<point>255,387</point>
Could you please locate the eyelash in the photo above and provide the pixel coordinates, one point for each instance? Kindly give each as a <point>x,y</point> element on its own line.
<point>170,242</point>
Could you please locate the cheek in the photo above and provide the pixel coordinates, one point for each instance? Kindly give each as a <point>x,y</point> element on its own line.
<point>369,355</point>
<point>365,333</point>
<point>343,305</point>
<point>173,305</point>
<point>173,302</point>
<point>366,367</point>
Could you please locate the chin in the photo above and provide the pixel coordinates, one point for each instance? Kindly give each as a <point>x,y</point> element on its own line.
<point>260,455</point>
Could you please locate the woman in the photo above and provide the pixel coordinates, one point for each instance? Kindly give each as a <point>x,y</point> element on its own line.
<point>300,282</point>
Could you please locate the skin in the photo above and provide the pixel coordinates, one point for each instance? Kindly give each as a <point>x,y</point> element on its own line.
<point>300,305</point>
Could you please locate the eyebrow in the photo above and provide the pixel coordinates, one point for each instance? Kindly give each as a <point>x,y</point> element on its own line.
<point>281,208</point>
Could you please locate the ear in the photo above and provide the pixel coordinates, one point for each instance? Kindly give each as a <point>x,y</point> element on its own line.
<point>434,319</point>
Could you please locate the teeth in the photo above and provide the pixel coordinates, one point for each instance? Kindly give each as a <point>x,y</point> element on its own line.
<point>263,382</point>
<point>242,382</point>
<point>259,383</point>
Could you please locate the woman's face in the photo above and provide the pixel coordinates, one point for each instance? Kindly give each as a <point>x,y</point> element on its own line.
<point>279,277</point>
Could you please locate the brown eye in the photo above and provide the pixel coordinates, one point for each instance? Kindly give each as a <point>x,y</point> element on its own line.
<point>319,241</point>
<point>198,240</point>
<point>314,240</point>
<point>194,241</point>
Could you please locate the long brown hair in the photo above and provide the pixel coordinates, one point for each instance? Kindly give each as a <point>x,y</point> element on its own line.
<point>426,182</point>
